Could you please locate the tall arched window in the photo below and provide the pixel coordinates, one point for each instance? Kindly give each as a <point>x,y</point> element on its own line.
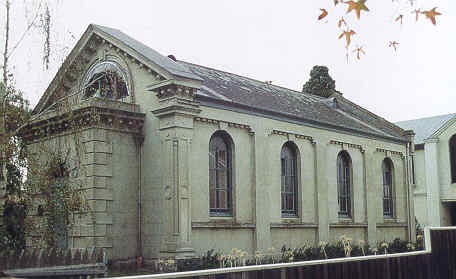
<point>388,196</point>
<point>220,174</point>
<point>289,188</point>
<point>344,184</point>
<point>453,158</point>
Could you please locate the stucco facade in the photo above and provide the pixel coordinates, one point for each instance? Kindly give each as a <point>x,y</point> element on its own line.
<point>146,163</point>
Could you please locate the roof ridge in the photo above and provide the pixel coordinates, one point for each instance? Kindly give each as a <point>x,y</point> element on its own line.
<point>428,117</point>
<point>252,79</point>
<point>389,123</point>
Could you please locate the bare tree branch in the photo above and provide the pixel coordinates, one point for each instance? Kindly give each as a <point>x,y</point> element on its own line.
<point>29,26</point>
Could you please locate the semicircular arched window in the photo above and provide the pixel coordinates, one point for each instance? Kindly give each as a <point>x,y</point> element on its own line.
<point>344,184</point>
<point>106,80</point>
<point>289,189</point>
<point>220,174</point>
<point>388,198</point>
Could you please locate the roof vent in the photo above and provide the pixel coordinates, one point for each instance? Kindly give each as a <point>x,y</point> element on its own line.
<point>172,57</point>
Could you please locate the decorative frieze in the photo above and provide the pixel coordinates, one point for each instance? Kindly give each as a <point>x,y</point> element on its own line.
<point>347,145</point>
<point>389,152</point>
<point>93,112</point>
<point>174,90</point>
<point>218,122</point>
<point>296,135</point>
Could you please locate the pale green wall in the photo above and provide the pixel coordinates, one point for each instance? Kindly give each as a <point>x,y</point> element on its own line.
<point>256,191</point>
<point>243,198</point>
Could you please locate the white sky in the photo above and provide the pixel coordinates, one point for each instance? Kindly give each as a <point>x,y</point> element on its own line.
<point>269,40</point>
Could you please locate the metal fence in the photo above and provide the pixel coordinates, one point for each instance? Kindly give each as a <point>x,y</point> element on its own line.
<point>54,262</point>
<point>437,261</point>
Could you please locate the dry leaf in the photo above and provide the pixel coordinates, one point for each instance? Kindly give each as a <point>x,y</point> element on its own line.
<point>431,14</point>
<point>393,44</point>
<point>341,21</point>
<point>358,51</point>
<point>347,35</point>
<point>358,6</point>
<point>324,13</point>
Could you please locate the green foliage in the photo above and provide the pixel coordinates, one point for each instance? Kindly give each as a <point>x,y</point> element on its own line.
<point>397,246</point>
<point>210,259</point>
<point>320,82</point>
<point>338,249</point>
<point>14,229</point>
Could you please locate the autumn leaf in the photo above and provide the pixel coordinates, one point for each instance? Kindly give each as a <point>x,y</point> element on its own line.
<point>399,18</point>
<point>347,35</point>
<point>393,44</point>
<point>324,13</point>
<point>358,6</point>
<point>358,51</point>
<point>341,21</point>
<point>417,14</point>
<point>431,14</point>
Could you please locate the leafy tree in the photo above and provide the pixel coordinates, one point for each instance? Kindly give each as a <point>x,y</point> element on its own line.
<point>16,113</point>
<point>320,82</point>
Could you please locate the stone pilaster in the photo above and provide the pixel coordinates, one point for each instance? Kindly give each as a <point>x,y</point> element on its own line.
<point>99,172</point>
<point>176,112</point>
<point>432,181</point>
<point>409,171</point>
<point>322,190</point>
<point>373,201</point>
<point>261,177</point>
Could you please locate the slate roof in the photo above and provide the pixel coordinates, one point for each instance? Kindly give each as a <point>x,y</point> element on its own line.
<point>335,112</point>
<point>150,54</point>
<point>231,91</point>
<point>425,127</point>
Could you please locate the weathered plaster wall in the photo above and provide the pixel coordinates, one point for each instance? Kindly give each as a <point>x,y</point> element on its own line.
<point>309,208</point>
<point>173,218</point>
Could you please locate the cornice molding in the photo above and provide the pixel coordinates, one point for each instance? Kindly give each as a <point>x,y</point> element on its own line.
<point>296,135</point>
<point>389,152</point>
<point>229,124</point>
<point>93,112</point>
<point>347,145</point>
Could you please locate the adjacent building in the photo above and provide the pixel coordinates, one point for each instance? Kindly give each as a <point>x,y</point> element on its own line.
<point>181,158</point>
<point>435,169</point>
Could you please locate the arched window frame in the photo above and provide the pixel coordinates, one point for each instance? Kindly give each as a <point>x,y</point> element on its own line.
<point>344,184</point>
<point>96,69</point>
<point>289,161</point>
<point>221,150</point>
<point>452,146</point>
<point>388,188</point>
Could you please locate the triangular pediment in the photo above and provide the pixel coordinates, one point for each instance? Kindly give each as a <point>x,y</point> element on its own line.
<point>162,67</point>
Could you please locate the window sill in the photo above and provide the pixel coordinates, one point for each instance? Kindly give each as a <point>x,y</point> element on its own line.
<point>222,224</point>
<point>346,224</point>
<point>220,215</point>
<point>293,225</point>
<point>290,217</point>
<point>391,224</point>
<point>345,220</point>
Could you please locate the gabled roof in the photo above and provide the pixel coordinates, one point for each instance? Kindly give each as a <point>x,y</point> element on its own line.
<point>426,127</point>
<point>234,91</point>
<point>147,56</point>
<point>168,64</point>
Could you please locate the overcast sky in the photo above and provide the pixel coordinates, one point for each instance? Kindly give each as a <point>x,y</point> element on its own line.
<point>270,40</point>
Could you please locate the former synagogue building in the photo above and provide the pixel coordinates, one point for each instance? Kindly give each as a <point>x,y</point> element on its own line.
<point>180,158</point>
